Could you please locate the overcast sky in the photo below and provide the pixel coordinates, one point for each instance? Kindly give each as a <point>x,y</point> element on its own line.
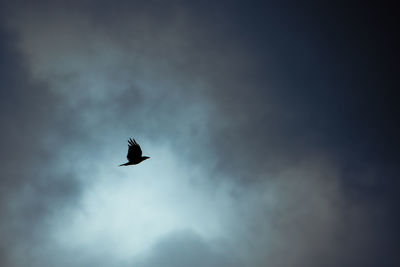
<point>272,131</point>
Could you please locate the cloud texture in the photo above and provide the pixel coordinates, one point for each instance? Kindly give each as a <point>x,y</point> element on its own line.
<point>272,137</point>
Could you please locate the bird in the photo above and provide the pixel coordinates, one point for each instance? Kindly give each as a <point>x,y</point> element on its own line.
<point>134,153</point>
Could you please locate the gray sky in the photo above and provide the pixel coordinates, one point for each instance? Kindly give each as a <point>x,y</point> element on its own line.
<point>271,131</point>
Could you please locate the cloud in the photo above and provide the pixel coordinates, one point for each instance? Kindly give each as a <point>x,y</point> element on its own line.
<point>29,186</point>
<point>260,152</point>
<point>186,248</point>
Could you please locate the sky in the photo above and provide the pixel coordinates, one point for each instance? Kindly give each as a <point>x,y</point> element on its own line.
<point>272,130</point>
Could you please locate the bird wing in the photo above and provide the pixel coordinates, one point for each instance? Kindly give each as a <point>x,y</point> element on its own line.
<point>134,151</point>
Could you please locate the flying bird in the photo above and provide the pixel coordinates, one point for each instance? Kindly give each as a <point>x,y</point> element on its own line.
<point>134,153</point>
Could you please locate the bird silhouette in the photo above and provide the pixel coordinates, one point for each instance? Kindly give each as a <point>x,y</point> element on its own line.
<point>134,153</point>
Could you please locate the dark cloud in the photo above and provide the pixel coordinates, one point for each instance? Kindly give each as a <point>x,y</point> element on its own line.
<point>185,248</point>
<point>271,131</point>
<point>29,189</point>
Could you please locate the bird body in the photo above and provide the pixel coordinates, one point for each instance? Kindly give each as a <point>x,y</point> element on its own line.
<point>134,153</point>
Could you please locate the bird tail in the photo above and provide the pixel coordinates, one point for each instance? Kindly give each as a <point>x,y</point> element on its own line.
<point>123,164</point>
